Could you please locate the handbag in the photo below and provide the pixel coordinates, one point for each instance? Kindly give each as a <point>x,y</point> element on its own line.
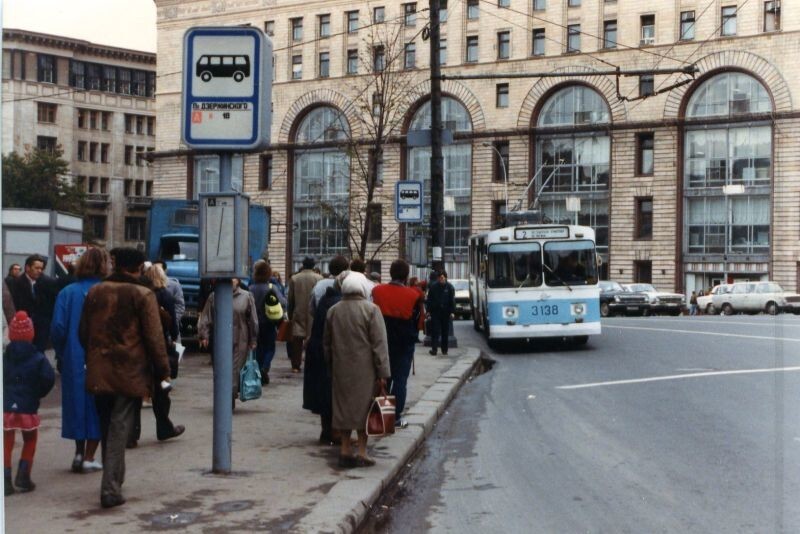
<point>284,331</point>
<point>380,419</point>
<point>272,306</point>
<point>249,380</point>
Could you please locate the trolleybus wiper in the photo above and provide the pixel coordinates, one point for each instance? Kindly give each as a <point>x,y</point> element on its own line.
<point>557,277</point>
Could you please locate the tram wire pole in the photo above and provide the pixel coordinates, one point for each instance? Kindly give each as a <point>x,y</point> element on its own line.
<point>437,167</point>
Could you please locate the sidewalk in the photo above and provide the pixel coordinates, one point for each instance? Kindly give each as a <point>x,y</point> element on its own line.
<point>282,480</point>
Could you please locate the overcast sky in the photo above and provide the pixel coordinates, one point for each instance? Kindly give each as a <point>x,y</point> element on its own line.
<point>123,23</point>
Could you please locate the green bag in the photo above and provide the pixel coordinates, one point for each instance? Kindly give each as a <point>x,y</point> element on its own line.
<point>249,379</point>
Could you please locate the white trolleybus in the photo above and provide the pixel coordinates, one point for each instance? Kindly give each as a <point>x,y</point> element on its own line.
<point>535,281</point>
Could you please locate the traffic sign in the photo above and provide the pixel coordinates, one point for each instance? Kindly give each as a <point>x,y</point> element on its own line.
<point>227,88</point>
<point>408,201</point>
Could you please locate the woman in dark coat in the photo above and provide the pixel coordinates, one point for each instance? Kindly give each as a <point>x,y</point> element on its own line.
<point>262,288</point>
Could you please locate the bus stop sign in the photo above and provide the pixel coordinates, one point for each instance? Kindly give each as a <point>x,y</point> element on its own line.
<point>227,86</point>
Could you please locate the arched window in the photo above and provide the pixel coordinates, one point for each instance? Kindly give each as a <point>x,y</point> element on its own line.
<point>727,171</point>
<point>457,182</point>
<point>321,187</point>
<point>572,164</point>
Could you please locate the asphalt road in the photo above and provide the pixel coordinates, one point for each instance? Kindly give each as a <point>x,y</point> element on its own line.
<point>687,424</point>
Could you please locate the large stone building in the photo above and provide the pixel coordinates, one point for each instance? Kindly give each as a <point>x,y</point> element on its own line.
<point>698,182</point>
<point>97,103</point>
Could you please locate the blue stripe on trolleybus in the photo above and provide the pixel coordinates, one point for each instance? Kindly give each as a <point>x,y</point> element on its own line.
<point>550,311</point>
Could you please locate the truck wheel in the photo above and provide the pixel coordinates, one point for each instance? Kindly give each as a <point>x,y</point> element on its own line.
<point>727,309</point>
<point>771,308</point>
<point>605,309</point>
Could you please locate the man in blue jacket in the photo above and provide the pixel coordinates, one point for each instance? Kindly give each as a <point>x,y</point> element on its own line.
<point>440,305</point>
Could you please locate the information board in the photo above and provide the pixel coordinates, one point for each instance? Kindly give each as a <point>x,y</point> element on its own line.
<point>408,201</point>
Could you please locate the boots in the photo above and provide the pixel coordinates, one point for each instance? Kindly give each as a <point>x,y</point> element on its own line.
<point>9,485</point>
<point>23,481</point>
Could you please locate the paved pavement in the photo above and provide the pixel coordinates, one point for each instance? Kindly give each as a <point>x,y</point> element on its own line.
<point>686,424</point>
<point>282,481</point>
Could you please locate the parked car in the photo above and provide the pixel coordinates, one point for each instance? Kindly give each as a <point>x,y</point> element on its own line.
<point>463,309</point>
<point>660,301</point>
<point>755,297</point>
<point>616,300</point>
<point>706,304</point>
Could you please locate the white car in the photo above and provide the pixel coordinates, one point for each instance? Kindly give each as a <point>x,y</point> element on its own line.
<point>755,297</point>
<point>660,301</point>
<point>705,303</point>
<point>463,309</point>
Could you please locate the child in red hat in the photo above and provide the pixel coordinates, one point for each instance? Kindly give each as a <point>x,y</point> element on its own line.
<point>27,377</point>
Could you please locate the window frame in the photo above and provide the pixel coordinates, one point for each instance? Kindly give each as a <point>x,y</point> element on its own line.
<point>352,60</point>
<point>269,27</point>
<point>502,146</point>
<point>473,9</point>
<point>539,5</point>
<point>646,80</point>
<point>376,19</point>
<point>504,45</point>
<point>297,61</point>
<point>265,174</point>
<point>46,112</point>
<point>729,17</point>
<point>296,27</point>
<point>410,55</point>
<point>538,36</point>
<point>573,32</point>
<point>643,228</point>
<point>471,50</point>
<point>46,68</point>
<point>324,65</point>
<point>351,19</point>
<point>502,96</point>
<point>647,29</point>
<point>324,25</point>
<point>643,139</point>
<point>609,44</point>
<point>409,14</point>
<point>640,267</point>
<point>691,25</point>
<point>772,12</point>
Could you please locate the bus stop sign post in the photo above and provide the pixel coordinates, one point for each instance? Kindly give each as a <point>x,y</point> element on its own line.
<point>226,107</point>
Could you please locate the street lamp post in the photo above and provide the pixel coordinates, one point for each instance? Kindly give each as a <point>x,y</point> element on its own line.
<point>505,171</point>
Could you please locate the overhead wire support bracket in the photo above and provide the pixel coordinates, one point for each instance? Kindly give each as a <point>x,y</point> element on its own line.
<point>691,70</point>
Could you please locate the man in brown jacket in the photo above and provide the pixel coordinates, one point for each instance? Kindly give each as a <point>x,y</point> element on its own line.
<point>301,286</point>
<point>121,332</point>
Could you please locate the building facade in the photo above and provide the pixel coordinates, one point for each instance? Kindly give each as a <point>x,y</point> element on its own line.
<point>97,104</point>
<point>688,177</point>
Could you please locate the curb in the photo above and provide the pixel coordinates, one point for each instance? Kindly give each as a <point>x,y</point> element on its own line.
<point>347,503</point>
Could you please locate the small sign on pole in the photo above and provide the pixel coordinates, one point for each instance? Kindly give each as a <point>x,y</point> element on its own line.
<point>408,201</point>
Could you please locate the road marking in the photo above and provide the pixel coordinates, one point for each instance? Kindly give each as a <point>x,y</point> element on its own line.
<point>676,377</point>
<point>531,397</point>
<point>695,332</point>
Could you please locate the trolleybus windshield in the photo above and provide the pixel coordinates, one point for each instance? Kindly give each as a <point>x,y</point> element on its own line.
<point>570,263</point>
<point>515,265</point>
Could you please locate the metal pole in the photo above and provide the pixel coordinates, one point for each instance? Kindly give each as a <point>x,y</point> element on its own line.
<point>223,354</point>
<point>437,167</point>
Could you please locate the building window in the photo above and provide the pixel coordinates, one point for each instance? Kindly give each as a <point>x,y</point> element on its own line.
<point>646,85</point>
<point>93,77</point>
<point>574,3</point>
<point>728,20</point>
<point>501,96</point>
<point>105,121</point>
<point>443,52</point>
<point>472,49</point>
<point>352,62</point>
<point>151,126</point>
<point>97,226</point>
<point>81,151</point>
<point>139,125</point>
<point>77,74</point>
<point>82,115</point>
<point>93,152</point>
<point>501,161</point>
<point>648,23</point>
<point>378,58</point>
<point>139,85</point>
<point>47,143</point>
<point>324,64</point>
<point>124,81</point>
<point>297,29</point>
<point>128,155</point>
<point>643,272</point>
<point>46,112</point>
<point>539,5</point>
<point>109,82</point>
<point>473,9</point>
<point>134,228</point>
<point>538,42</point>
<point>644,154</point>
<point>103,186</point>
<point>375,229</point>
<point>130,121</point>
<point>105,149</point>
<point>687,25</point>
<point>610,34</point>
<point>297,67</point>
<point>151,84</point>
<point>324,25</point>
<point>772,16</point>
<point>378,14</point>
<point>269,28</point>
<point>410,14</point>
<point>93,120</point>
<point>442,11</point>
<point>46,68</point>
<point>266,173</point>
<point>410,56</point>
<point>352,21</point>
<point>503,3</point>
<point>148,188</point>
<point>574,38</point>
<point>140,161</point>
<point>644,218</point>
<point>498,214</point>
<point>503,45</point>
<point>377,104</point>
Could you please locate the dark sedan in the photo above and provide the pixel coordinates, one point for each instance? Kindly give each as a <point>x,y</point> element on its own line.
<point>616,300</point>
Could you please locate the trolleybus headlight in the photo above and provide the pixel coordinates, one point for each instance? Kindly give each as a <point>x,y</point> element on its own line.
<point>510,313</point>
<point>578,309</point>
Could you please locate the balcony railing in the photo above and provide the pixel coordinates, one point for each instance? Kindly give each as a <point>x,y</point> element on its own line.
<point>97,199</point>
<point>139,202</point>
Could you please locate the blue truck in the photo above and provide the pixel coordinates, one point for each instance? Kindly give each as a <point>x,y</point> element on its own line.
<point>172,235</point>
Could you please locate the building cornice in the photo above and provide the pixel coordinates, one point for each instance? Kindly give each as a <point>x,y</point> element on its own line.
<point>80,46</point>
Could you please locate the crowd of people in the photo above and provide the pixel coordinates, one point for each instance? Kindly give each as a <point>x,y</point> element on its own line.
<point>115,332</point>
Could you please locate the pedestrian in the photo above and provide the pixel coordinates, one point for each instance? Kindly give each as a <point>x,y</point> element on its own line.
<point>245,329</point>
<point>8,303</point>
<point>440,305</point>
<point>693,303</point>
<point>27,378</point>
<point>13,273</point>
<point>175,289</point>
<point>400,307</point>
<point>265,293</point>
<point>79,420</point>
<point>300,287</point>
<point>375,277</point>
<point>355,350</point>
<point>35,293</point>
<point>317,378</point>
<point>276,279</point>
<point>357,265</point>
<point>121,331</point>
<point>336,266</point>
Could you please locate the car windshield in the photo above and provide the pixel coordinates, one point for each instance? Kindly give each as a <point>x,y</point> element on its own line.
<point>180,250</point>
<point>460,285</point>
<point>610,286</point>
<point>570,263</point>
<point>644,288</point>
<point>515,265</point>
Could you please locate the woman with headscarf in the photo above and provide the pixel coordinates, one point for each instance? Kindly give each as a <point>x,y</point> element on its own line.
<point>357,354</point>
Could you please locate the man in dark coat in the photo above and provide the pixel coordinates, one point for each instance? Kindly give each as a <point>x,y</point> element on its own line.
<point>441,305</point>
<point>35,293</point>
<point>126,355</point>
<point>400,307</point>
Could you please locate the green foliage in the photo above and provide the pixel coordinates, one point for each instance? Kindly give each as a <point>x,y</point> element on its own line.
<point>38,180</point>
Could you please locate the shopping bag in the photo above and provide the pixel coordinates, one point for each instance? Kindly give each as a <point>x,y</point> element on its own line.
<point>249,380</point>
<point>284,331</point>
<point>380,419</point>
